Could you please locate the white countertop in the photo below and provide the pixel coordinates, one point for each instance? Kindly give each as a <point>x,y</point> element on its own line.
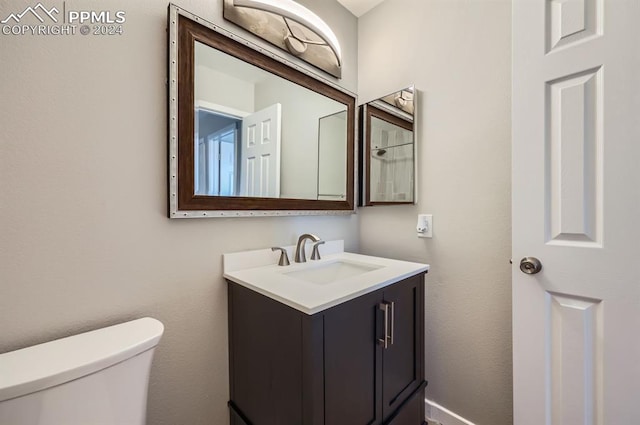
<point>258,270</point>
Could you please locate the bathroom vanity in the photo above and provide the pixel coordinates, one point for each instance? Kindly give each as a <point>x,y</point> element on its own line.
<point>329,342</point>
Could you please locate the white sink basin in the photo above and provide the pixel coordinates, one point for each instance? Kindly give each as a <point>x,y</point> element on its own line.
<point>325,273</point>
<point>314,286</point>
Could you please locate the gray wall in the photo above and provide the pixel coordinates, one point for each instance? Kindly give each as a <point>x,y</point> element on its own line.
<point>85,241</point>
<point>458,55</point>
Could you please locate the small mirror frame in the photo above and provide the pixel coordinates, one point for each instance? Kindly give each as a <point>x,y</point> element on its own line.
<point>367,111</point>
<point>186,28</point>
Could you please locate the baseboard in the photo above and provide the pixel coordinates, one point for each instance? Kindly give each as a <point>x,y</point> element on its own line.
<point>437,413</point>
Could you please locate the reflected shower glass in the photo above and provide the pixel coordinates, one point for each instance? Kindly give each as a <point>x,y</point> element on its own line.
<point>391,162</point>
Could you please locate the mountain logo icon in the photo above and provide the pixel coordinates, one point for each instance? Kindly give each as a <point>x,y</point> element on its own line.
<point>39,11</point>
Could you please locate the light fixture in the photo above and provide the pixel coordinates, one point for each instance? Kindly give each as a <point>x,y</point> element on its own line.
<point>399,100</point>
<point>312,40</point>
<point>400,103</point>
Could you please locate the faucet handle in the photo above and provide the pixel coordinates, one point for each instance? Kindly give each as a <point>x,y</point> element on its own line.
<point>315,254</point>
<point>284,258</point>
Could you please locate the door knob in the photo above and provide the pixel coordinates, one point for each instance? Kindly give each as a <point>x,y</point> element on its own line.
<point>530,265</point>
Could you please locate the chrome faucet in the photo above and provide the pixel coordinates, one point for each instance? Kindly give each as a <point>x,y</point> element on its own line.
<point>300,256</point>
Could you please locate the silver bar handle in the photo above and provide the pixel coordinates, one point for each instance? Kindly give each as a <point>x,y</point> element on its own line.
<point>384,342</point>
<point>393,313</point>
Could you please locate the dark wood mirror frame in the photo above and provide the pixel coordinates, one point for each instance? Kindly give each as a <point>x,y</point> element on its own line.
<point>190,205</point>
<point>368,112</point>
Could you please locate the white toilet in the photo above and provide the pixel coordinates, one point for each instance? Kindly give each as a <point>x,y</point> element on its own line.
<point>95,378</point>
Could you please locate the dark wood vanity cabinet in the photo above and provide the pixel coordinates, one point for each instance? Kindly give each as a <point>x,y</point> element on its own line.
<point>332,367</point>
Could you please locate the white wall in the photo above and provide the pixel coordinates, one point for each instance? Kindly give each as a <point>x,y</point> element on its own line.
<point>84,237</point>
<point>457,52</point>
<point>221,89</point>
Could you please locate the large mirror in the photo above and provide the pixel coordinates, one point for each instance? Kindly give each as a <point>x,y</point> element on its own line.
<point>250,133</point>
<point>388,154</point>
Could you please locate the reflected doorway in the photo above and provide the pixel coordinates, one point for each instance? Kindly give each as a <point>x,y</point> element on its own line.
<point>216,153</point>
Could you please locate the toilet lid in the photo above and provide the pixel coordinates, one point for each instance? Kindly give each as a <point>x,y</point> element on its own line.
<point>53,363</point>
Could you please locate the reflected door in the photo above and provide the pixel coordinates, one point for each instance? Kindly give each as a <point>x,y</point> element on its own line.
<point>260,153</point>
<point>576,79</point>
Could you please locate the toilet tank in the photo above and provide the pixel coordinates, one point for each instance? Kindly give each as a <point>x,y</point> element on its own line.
<point>95,378</point>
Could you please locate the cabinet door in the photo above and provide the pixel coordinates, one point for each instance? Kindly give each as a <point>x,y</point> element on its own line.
<point>352,358</point>
<point>402,370</point>
<point>265,363</point>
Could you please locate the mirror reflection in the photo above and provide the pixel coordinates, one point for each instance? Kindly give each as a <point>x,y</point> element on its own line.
<point>389,149</point>
<point>259,135</point>
<point>251,133</point>
<point>332,153</point>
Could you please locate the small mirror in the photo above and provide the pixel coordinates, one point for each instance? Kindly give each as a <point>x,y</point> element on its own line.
<point>250,133</point>
<point>388,154</point>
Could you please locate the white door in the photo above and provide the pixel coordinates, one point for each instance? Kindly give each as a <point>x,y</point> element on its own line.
<point>260,153</point>
<point>576,208</point>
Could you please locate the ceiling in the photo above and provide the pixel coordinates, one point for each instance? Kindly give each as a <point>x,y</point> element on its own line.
<point>360,7</point>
